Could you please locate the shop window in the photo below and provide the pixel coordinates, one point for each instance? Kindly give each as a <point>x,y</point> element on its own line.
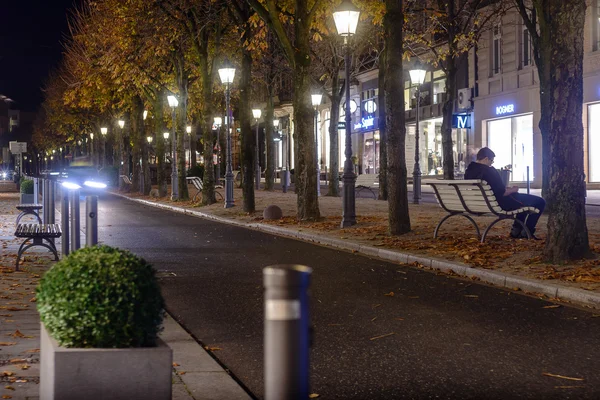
<point>594,142</point>
<point>511,139</point>
<point>496,49</point>
<point>439,87</point>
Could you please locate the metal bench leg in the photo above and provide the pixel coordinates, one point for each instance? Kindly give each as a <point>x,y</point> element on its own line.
<point>373,193</point>
<point>490,227</point>
<point>435,233</point>
<point>196,195</point>
<point>35,243</point>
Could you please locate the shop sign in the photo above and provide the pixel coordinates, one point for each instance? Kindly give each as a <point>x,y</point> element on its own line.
<point>505,109</point>
<point>367,122</point>
<point>461,121</point>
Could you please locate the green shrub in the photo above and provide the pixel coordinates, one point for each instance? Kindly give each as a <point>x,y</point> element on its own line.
<point>27,186</point>
<point>101,297</point>
<point>196,170</point>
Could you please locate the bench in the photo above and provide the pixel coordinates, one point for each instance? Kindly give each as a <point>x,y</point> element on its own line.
<point>473,197</point>
<point>368,182</point>
<point>197,182</point>
<point>126,181</point>
<point>37,233</point>
<point>29,209</point>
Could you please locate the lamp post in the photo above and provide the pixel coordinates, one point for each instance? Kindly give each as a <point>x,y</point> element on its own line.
<point>104,131</point>
<point>218,121</point>
<point>173,103</point>
<point>346,20</point>
<point>417,76</point>
<point>316,101</point>
<point>188,130</point>
<point>256,113</point>
<point>121,124</point>
<point>284,170</point>
<point>92,147</point>
<point>226,74</point>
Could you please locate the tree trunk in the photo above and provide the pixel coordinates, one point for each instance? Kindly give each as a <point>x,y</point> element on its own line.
<point>399,219</point>
<point>334,143</point>
<point>305,171</point>
<point>248,134</point>
<point>561,93</point>
<point>383,141</point>
<point>159,128</point>
<point>447,112</point>
<point>270,143</point>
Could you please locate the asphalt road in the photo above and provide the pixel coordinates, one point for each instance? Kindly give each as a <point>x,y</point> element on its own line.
<point>452,338</point>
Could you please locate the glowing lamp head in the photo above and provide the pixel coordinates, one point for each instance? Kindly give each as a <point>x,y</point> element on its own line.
<point>316,99</point>
<point>166,135</point>
<point>227,73</point>
<point>121,123</point>
<point>172,101</point>
<point>346,17</point>
<point>256,113</point>
<point>104,131</point>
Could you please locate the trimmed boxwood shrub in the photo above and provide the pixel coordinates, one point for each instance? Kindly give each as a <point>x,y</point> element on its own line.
<point>27,186</point>
<point>101,297</point>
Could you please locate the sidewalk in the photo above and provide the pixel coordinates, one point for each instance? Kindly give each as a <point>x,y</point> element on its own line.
<point>501,261</point>
<point>196,375</point>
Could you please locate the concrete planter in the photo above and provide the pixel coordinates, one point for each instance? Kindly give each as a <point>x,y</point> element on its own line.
<point>110,374</point>
<point>26,198</point>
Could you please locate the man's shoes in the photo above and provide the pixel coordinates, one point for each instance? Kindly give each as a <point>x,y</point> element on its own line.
<point>524,235</point>
<point>516,232</point>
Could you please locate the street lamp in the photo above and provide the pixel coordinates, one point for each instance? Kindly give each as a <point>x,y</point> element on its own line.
<point>346,20</point>
<point>316,101</point>
<point>218,121</point>
<point>173,103</point>
<point>103,131</point>
<point>417,76</point>
<point>256,113</point>
<point>121,147</point>
<point>226,74</point>
<point>188,130</point>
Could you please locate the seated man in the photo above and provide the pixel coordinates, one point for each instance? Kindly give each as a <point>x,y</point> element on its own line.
<point>508,198</point>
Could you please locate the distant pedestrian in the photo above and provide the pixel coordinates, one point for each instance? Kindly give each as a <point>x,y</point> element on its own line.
<point>508,198</point>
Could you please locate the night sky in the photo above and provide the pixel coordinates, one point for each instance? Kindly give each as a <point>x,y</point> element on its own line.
<point>30,46</point>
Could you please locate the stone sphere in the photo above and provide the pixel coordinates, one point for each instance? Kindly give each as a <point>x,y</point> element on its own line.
<point>272,212</point>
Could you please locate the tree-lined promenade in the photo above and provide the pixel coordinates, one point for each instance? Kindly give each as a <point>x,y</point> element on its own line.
<point>122,60</point>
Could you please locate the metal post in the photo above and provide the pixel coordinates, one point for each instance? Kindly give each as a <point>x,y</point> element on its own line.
<point>64,221</point>
<point>417,168</point>
<point>286,331</point>
<point>35,190</point>
<point>257,169</point>
<point>528,183</point>
<point>91,222</point>
<point>45,202</point>
<point>218,165</point>
<point>229,173</point>
<point>317,152</point>
<point>348,177</point>
<point>174,179</point>
<point>51,202</point>
<point>75,234</point>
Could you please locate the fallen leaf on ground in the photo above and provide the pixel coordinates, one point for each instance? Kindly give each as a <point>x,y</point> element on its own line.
<point>17,360</point>
<point>562,376</point>
<point>313,395</point>
<point>8,387</point>
<point>212,348</point>
<point>382,336</point>
<point>7,343</point>
<point>391,294</point>
<point>474,296</point>
<point>7,373</point>
<point>553,306</point>
<point>181,372</point>
<point>24,367</point>
<point>175,364</point>
<point>6,397</point>
<point>568,387</point>
<point>33,351</point>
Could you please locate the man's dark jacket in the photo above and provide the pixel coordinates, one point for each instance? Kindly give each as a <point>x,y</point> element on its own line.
<point>492,177</point>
